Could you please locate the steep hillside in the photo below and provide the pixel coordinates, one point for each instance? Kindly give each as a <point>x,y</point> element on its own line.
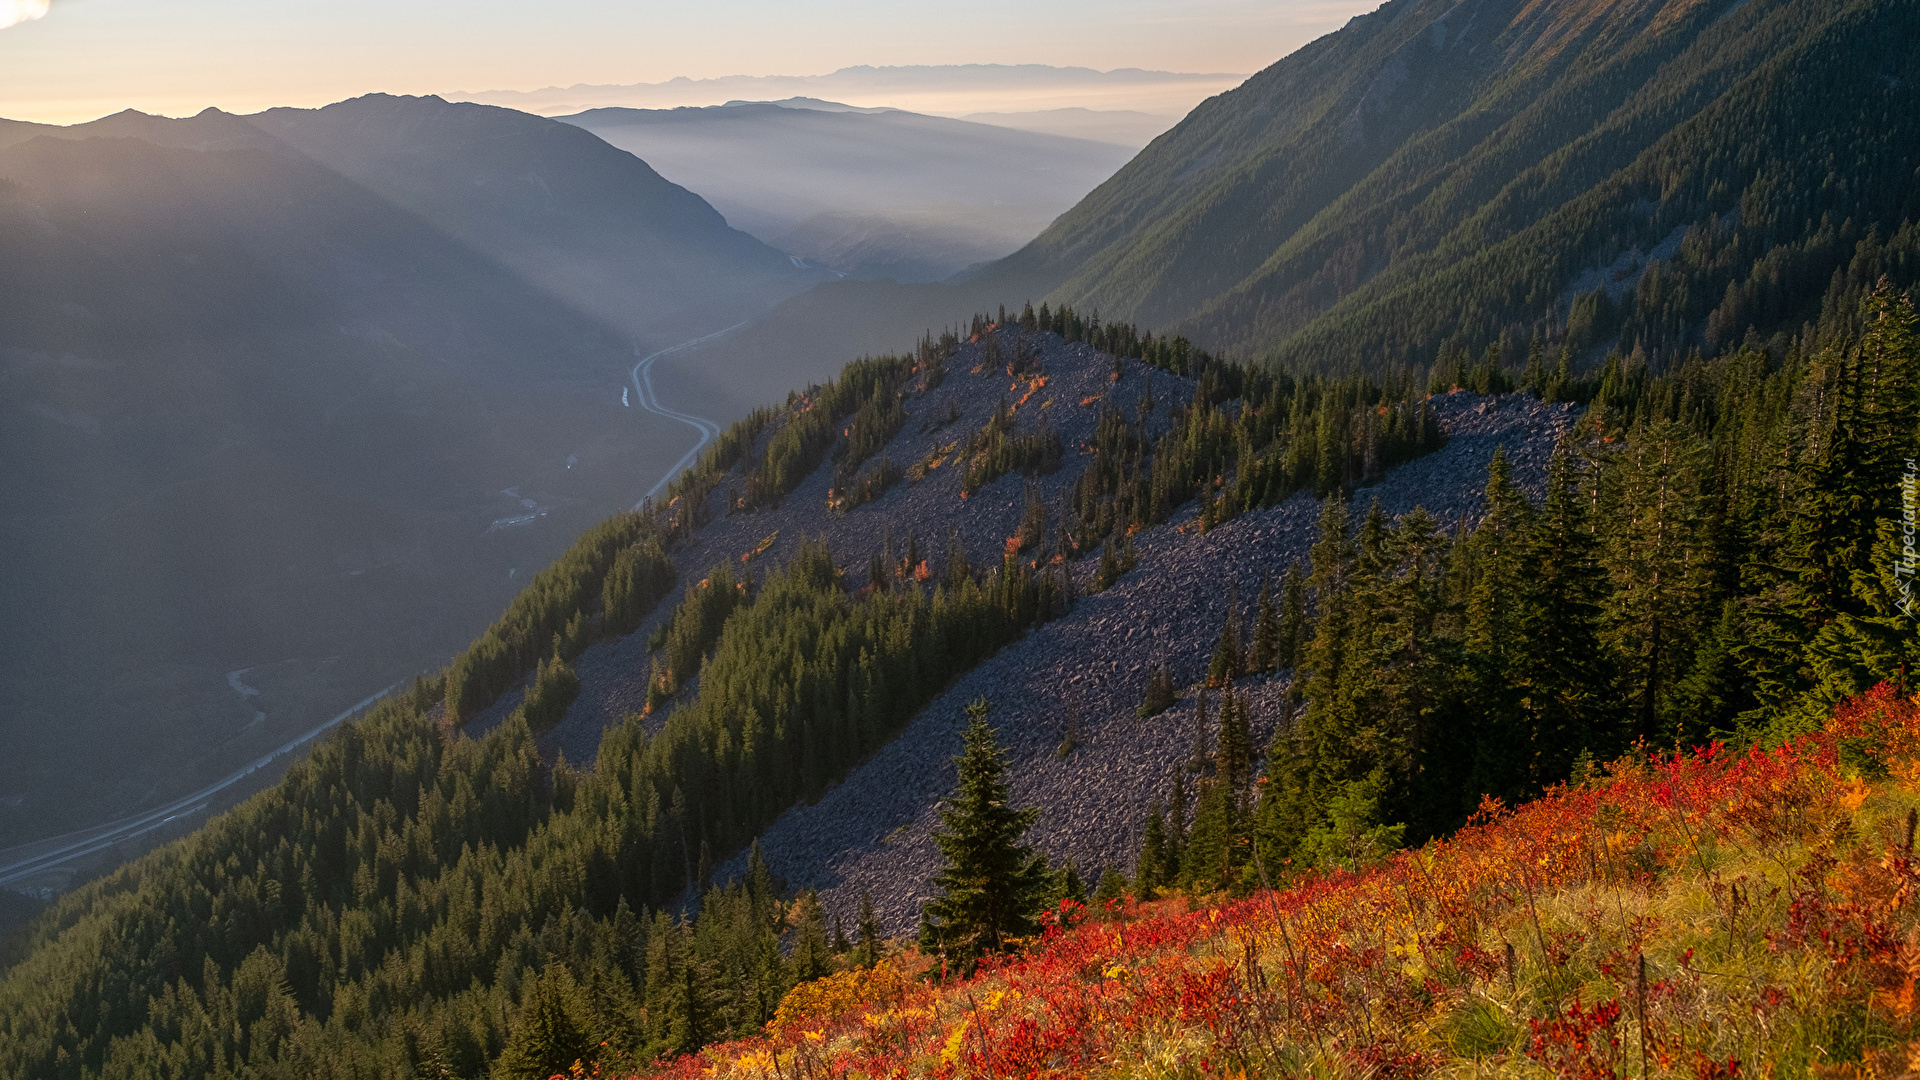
<point>1446,175</point>
<point>778,464</point>
<point>927,195</point>
<point>1699,553</point>
<point>1731,915</point>
<point>1656,175</point>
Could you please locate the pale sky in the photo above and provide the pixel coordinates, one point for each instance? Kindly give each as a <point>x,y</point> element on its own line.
<point>75,60</point>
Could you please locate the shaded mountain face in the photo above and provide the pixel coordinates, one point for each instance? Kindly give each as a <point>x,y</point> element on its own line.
<point>869,193</point>
<point>590,224</point>
<point>292,405</point>
<point>1446,174</point>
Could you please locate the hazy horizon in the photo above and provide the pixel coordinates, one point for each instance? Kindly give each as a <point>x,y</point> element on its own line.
<point>76,60</point>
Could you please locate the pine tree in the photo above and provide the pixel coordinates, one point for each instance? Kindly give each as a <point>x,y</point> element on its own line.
<point>1176,824</point>
<point>1293,618</point>
<point>812,954</point>
<point>1569,674</point>
<point>546,1038</point>
<point>1500,603</point>
<point>1159,695</point>
<point>1227,663</point>
<point>1655,553</point>
<point>1069,885</point>
<point>1209,862</point>
<point>992,885</point>
<point>1233,754</point>
<point>1152,870</point>
<point>678,996</point>
<point>868,929</point>
<point>1266,629</point>
<point>1846,547</point>
<point>1202,751</point>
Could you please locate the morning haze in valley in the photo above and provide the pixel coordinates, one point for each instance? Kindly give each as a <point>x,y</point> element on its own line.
<point>1053,539</point>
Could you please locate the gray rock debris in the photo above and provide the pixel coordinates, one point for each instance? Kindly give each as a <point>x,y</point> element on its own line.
<point>872,832</point>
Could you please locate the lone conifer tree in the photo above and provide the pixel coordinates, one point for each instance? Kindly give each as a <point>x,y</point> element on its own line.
<point>993,885</point>
<point>868,954</point>
<point>1266,629</point>
<point>545,1038</point>
<point>812,957</point>
<point>1227,664</point>
<point>1293,618</point>
<point>1153,871</point>
<point>1233,754</point>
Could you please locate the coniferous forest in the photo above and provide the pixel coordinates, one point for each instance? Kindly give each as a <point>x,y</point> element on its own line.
<point>1717,556</point>
<point>1708,562</point>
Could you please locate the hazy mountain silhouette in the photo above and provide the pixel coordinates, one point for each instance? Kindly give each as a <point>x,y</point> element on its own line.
<point>940,89</point>
<point>1442,175</point>
<point>292,404</point>
<point>868,192</point>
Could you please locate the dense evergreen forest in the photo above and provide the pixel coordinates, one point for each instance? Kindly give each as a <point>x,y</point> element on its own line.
<point>411,900</point>
<point>1651,177</point>
<point>1714,558</point>
<point>1719,555</point>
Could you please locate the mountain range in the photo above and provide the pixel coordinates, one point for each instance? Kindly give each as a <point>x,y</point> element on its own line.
<point>1029,91</point>
<point>866,192</point>
<point>1433,177</point>
<point>270,384</point>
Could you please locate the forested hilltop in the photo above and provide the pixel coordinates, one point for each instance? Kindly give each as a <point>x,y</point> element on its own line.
<point>412,900</point>
<point>399,902</point>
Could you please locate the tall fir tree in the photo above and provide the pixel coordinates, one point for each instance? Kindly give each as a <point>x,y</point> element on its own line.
<point>1233,751</point>
<point>868,952</point>
<point>812,952</point>
<point>1227,663</point>
<point>1571,677</point>
<point>1266,629</point>
<point>1151,872</point>
<point>546,1039</point>
<point>991,888</point>
<point>1851,584</point>
<point>1654,550</point>
<point>1293,618</point>
<point>1500,610</point>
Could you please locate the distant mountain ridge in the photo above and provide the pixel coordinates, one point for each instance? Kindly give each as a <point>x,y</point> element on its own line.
<point>1440,177</point>
<point>590,223</point>
<point>946,90</point>
<point>267,387</point>
<point>933,195</point>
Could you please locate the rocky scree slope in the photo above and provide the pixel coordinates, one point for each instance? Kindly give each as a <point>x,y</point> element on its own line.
<point>871,833</point>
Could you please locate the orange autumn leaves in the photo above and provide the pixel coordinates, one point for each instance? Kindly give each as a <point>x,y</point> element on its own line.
<point>1703,914</point>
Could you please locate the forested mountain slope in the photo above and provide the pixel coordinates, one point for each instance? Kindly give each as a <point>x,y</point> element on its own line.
<point>1659,175</point>
<point>1704,554</point>
<point>767,693</point>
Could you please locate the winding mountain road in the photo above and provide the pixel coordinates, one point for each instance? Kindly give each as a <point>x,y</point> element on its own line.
<point>27,861</point>
<point>30,860</point>
<point>642,376</point>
